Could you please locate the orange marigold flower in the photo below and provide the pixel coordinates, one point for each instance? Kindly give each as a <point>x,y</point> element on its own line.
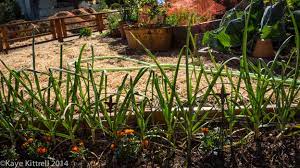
<point>129,131</point>
<point>75,149</point>
<point>42,150</point>
<point>145,143</point>
<point>24,145</point>
<point>120,133</point>
<point>113,146</point>
<point>204,130</point>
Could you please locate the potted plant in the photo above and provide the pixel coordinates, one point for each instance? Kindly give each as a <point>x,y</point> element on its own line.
<point>179,21</point>
<point>125,14</point>
<point>267,25</point>
<point>151,29</point>
<point>271,28</point>
<point>113,24</point>
<point>129,13</point>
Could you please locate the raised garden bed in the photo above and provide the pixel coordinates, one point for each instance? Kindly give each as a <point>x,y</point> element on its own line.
<point>154,37</point>
<point>179,33</point>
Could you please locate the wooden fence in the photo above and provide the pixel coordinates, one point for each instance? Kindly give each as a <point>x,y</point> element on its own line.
<point>50,29</point>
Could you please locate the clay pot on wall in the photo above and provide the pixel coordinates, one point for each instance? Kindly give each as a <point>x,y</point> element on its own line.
<point>263,49</point>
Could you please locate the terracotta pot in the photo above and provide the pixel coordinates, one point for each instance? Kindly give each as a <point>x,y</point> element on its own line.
<point>263,49</point>
<point>153,38</point>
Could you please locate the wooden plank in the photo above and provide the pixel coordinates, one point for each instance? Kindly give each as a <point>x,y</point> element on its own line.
<point>28,37</point>
<point>26,22</point>
<point>25,30</point>
<point>21,31</point>
<point>52,29</point>
<point>72,23</point>
<point>45,20</point>
<point>30,44</point>
<point>78,28</point>
<point>63,27</point>
<point>58,30</point>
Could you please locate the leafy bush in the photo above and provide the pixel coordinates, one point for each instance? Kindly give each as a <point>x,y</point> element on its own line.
<point>10,10</point>
<point>231,29</point>
<point>266,22</point>
<point>85,32</point>
<point>130,10</point>
<point>113,21</point>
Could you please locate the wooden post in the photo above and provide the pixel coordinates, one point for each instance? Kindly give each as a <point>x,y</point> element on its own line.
<point>5,39</point>
<point>52,29</point>
<point>99,22</point>
<point>58,30</point>
<point>1,40</point>
<point>63,28</point>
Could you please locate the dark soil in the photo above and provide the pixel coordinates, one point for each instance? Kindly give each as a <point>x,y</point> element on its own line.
<point>267,151</point>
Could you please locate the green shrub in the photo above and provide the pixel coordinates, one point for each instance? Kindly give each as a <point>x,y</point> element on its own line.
<point>10,10</point>
<point>113,21</point>
<point>172,20</point>
<point>85,32</point>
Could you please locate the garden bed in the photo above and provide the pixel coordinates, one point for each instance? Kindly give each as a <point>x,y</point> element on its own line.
<point>269,151</point>
<point>101,118</point>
